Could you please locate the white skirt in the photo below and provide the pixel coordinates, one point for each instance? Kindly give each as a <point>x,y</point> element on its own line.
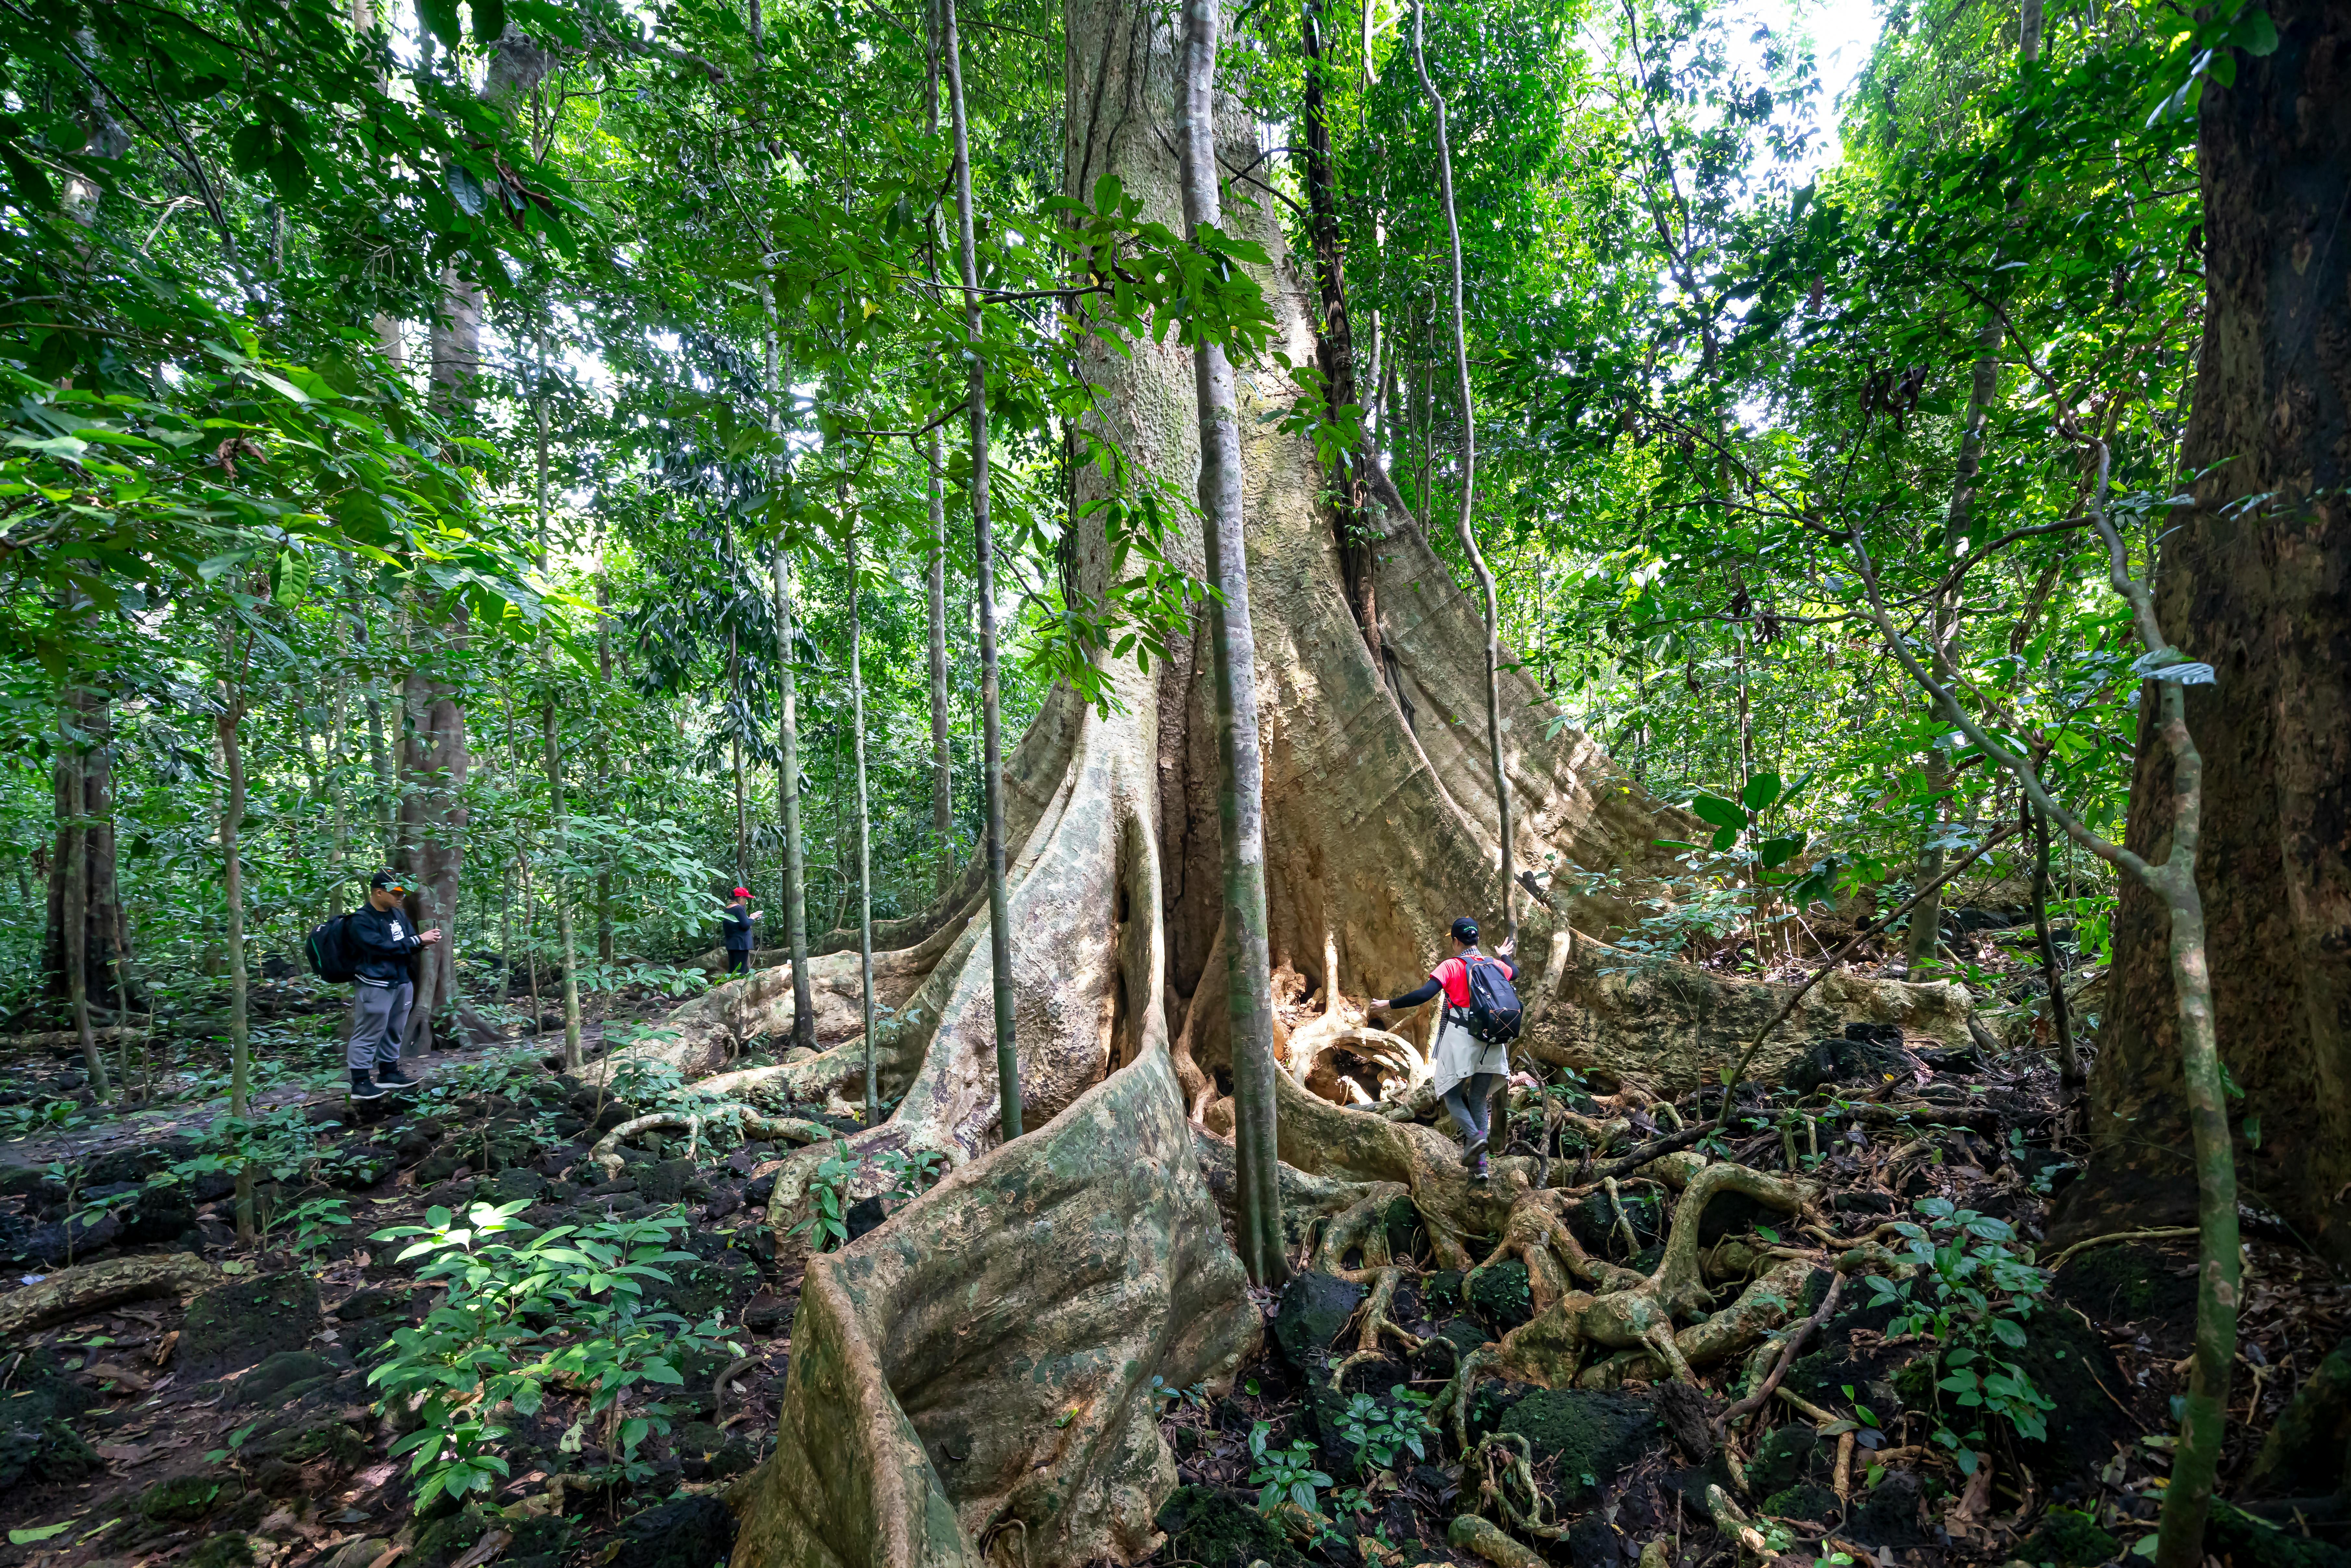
<point>1460,1053</point>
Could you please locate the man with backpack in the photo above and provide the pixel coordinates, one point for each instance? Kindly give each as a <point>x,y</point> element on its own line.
<point>1479,1020</point>
<point>384,947</point>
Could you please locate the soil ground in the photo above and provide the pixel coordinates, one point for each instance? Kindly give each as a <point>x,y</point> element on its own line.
<point>239,1427</point>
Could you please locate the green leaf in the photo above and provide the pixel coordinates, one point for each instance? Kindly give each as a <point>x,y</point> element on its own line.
<point>38,1532</point>
<point>441,16</point>
<point>1776,852</point>
<point>1761,791</point>
<point>1717,811</point>
<point>489,20</point>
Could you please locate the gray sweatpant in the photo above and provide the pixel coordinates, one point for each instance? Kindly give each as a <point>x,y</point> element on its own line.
<point>379,1018</point>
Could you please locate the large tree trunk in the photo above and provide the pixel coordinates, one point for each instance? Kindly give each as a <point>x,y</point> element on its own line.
<point>2263,594</point>
<point>84,779</point>
<point>985,1362</point>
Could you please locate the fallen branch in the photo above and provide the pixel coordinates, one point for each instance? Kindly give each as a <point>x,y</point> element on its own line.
<point>607,1152</point>
<point>1651,1150</point>
<point>2167,1233</point>
<point>49,1038</point>
<point>1795,1343</point>
<point>1739,1070</point>
<point>97,1287</point>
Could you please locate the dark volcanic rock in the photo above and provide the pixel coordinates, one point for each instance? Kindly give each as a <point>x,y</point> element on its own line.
<point>1314,1308</point>
<point>245,1321</point>
<point>1591,1436</point>
<point>691,1532</point>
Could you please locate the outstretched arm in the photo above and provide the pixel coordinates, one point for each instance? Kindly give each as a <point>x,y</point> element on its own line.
<point>1413,998</point>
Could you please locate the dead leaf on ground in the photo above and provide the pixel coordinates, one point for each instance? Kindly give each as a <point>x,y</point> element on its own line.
<point>116,1373</point>
<point>487,1547</point>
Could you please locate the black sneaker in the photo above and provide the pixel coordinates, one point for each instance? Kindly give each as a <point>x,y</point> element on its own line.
<point>365,1089</point>
<point>393,1077</point>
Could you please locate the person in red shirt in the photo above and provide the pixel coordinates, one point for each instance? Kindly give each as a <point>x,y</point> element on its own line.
<point>1467,1070</point>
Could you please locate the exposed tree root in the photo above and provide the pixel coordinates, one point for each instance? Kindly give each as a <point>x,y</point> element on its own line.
<point>1372,1322</point>
<point>607,1152</point>
<point>89,1288</point>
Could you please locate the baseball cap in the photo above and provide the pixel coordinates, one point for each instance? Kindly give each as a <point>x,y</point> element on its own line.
<point>1465,930</point>
<point>742,893</point>
<point>392,881</point>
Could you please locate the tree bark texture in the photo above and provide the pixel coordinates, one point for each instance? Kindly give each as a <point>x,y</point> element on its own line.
<point>2263,594</point>
<point>83,774</point>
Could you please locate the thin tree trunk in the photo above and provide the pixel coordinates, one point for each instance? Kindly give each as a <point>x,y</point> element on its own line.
<point>225,725</point>
<point>550,732</point>
<point>2069,1056</point>
<point>864,838</point>
<point>1240,804</point>
<point>571,1057</point>
<point>942,768</point>
<point>991,724</point>
<point>604,768</point>
<point>787,805</point>
<point>76,921</point>
<point>1468,487</point>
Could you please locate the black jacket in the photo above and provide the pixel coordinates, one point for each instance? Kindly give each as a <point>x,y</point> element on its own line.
<point>387,942</point>
<point>738,923</point>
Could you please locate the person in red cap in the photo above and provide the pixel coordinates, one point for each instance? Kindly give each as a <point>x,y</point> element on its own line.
<point>738,922</point>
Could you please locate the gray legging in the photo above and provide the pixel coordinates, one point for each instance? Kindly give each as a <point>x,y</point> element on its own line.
<point>1471,1101</point>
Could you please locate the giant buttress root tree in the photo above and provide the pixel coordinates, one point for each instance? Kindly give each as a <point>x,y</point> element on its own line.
<point>981,1367</point>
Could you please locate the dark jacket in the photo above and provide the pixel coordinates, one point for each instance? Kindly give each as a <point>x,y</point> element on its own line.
<point>738,924</point>
<point>387,942</point>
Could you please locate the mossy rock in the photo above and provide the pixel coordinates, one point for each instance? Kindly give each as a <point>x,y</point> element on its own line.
<point>35,1442</point>
<point>284,1376</point>
<point>245,1321</point>
<point>1500,1296</point>
<point>1590,1438</point>
<point>1215,1529</point>
<point>226,1549</point>
<point>1783,1459</point>
<point>183,1500</point>
<point>2129,1284</point>
<point>1810,1501</point>
<point>1441,1288</point>
<point>691,1532</point>
<point>720,1275</point>
<point>1594,1222</point>
<point>46,1450</point>
<point>325,1439</point>
<point>1314,1308</point>
<point>2069,1539</point>
<point>2071,1365</point>
<point>1889,1515</point>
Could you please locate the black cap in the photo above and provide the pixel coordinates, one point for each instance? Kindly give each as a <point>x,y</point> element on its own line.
<point>1465,930</point>
<point>390,881</point>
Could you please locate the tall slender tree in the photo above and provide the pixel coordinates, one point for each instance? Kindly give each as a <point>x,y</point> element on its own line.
<point>1464,523</point>
<point>1240,797</point>
<point>991,719</point>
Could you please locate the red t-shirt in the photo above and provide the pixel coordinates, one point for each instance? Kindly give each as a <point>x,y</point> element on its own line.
<point>1452,975</point>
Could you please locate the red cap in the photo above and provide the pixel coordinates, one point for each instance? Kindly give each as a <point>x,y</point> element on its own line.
<point>742,893</point>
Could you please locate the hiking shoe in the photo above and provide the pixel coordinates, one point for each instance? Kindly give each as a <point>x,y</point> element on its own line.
<point>366,1089</point>
<point>393,1078</point>
<point>1479,1175</point>
<point>1473,1154</point>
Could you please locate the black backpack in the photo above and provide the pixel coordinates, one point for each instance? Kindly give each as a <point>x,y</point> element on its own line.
<point>1494,1013</point>
<point>329,948</point>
